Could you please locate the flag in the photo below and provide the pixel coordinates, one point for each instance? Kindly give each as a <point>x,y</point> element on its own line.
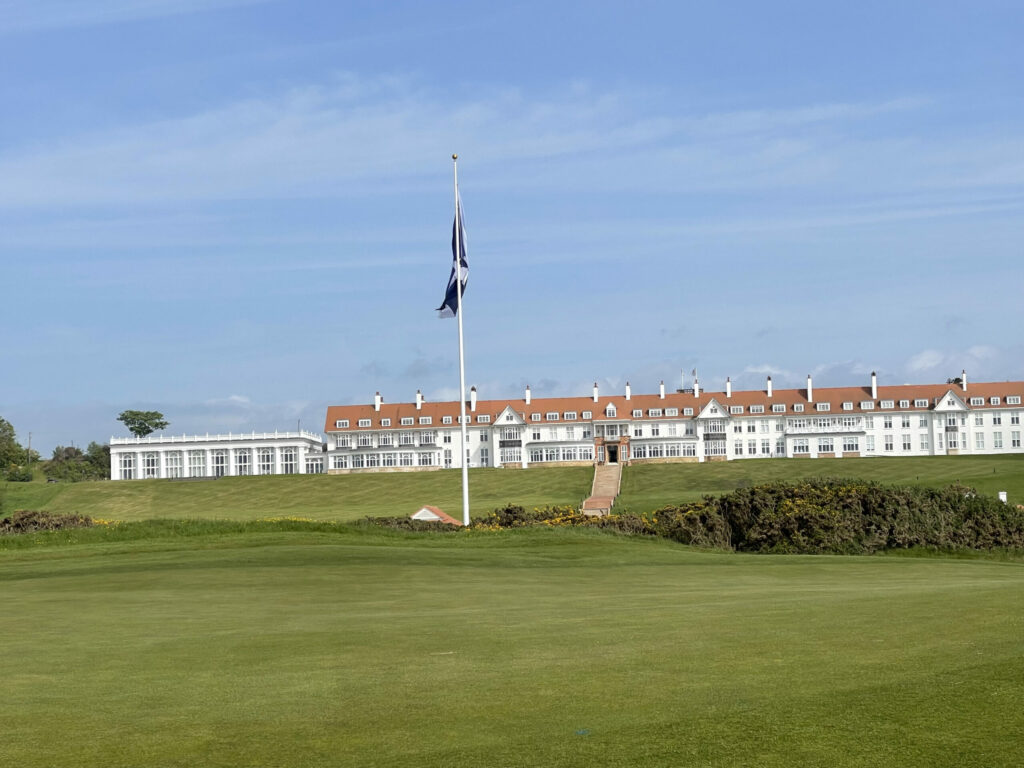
<point>449,307</point>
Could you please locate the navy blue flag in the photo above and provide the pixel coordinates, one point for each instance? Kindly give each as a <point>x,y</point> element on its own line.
<point>449,307</point>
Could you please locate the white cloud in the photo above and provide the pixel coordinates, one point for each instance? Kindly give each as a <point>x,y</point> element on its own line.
<point>925,360</point>
<point>977,360</point>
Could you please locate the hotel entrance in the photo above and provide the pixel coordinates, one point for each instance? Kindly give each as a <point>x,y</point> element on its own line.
<point>613,454</point>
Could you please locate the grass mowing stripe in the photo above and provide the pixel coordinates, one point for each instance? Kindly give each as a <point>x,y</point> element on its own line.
<point>524,648</point>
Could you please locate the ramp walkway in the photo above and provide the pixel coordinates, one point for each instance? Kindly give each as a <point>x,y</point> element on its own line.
<point>604,490</point>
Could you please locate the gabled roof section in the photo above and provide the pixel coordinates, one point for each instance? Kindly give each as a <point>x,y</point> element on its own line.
<point>713,410</point>
<point>951,401</point>
<point>509,415</point>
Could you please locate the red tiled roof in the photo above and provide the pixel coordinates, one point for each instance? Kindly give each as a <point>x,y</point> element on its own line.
<point>835,396</point>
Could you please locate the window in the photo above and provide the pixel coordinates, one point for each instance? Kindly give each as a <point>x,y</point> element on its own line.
<point>127,463</point>
<point>534,417</point>
<point>406,438</point>
<point>920,403</point>
<point>637,413</point>
<point>638,430</point>
<point>671,411</point>
<point>535,435</point>
<point>511,433</point>
<point>993,401</point>
<point>757,409</point>
<point>737,448</point>
<point>869,443</point>
<point>887,404</point>
<point>197,463</point>
<point>407,421</point>
<point>824,406</point>
<point>766,447</point>
<point>799,407</point>
<point>977,401</point>
<point>904,403</point>
<point>552,415</point>
<point>485,435</point>
<point>848,406</point>
<point>751,426</point>
<point>391,459</point>
<point>220,462</point>
<point>997,419</point>
<point>364,422</point>
<point>851,445</point>
<point>173,463</point>
<point>1015,439</point>
<point>906,442</point>
<point>1013,400</point>
<point>386,438</point>
<point>850,422</point>
<point>798,423</point>
<point>515,455</point>
<point>425,420</point>
<point>737,427</point>
<point>446,419</point>
<point>801,446</point>
<point>265,457</point>
<point>1015,417</point>
<point>887,422</point>
<point>405,459</point>
<point>888,442</point>
<point>570,433</point>
<point>588,415</point>
<point>778,408</point>
<point>569,415</point>
<point>655,412</point>
<point>979,420</point>
<point>365,440</point>
<point>869,422</point>
<point>924,442</point>
<point>655,430</point>
<point>735,409</point>
<point>341,441</point>
<point>428,437</point>
<point>485,419</point>
<point>151,464</point>
<point>997,439</point>
<point>922,422</point>
<point>979,441</point>
<point>825,445</point>
<point>289,460</point>
<point>425,459</point>
<point>387,422</point>
<point>341,424</point>
<point>867,405</point>
<point>610,411</point>
<point>687,411</point>
<point>905,421</point>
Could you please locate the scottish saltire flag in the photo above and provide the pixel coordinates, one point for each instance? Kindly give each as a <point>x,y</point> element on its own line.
<point>450,307</point>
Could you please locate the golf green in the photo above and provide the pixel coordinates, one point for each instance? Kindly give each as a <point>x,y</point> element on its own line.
<point>521,648</point>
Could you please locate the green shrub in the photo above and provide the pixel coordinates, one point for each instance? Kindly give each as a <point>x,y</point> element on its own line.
<point>18,475</point>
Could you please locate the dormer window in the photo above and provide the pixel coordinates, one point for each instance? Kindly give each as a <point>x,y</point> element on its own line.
<point>798,407</point>
<point>385,422</point>
<point>687,411</point>
<point>407,421</point>
<point>551,416</point>
<point>637,413</point>
<point>867,405</point>
<point>993,401</point>
<point>735,409</point>
<point>847,406</point>
<point>610,412</point>
<point>446,419</point>
<point>671,412</point>
<point>888,403</point>
<point>977,401</point>
<point>364,422</point>
<point>569,415</point>
<point>920,403</point>
<point>757,409</point>
<point>904,403</point>
<point>778,408</point>
<point>588,415</point>
<point>341,424</point>
<point>425,420</point>
<point>534,417</point>
<point>483,419</point>
<point>824,406</point>
<point>1013,400</point>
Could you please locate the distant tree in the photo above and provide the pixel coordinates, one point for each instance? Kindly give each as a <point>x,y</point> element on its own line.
<point>99,456</point>
<point>142,423</point>
<point>66,453</point>
<point>11,452</point>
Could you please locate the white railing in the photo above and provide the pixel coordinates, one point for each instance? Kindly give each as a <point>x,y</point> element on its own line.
<point>208,438</point>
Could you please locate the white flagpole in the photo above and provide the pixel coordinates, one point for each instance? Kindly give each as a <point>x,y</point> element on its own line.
<point>464,461</point>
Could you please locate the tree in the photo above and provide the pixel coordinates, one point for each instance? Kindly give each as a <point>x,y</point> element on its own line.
<point>142,423</point>
<point>11,451</point>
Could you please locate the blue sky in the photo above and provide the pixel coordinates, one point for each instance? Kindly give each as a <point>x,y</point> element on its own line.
<point>239,212</point>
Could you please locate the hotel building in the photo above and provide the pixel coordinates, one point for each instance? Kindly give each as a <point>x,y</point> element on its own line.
<point>690,425</point>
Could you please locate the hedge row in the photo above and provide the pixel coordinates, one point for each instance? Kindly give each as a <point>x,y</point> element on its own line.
<point>825,516</point>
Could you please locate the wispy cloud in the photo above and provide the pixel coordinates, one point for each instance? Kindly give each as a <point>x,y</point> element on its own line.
<point>382,134</point>
<point>24,15</point>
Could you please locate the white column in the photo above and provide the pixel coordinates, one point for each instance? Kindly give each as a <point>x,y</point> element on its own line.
<point>231,462</point>
<point>209,462</point>
<point>277,460</point>
<point>301,469</point>
<point>161,466</point>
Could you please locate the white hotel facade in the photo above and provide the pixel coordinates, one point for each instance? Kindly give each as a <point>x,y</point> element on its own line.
<point>690,425</point>
<point>198,456</point>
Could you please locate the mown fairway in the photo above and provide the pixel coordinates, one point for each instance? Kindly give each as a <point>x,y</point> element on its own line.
<point>649,486</point>
<point>321,497</point>
<point>527,648</point>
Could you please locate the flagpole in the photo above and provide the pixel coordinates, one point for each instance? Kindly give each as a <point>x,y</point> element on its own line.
<point>464,461</point>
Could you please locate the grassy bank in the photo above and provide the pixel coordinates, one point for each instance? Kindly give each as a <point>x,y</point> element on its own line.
<point>527,648</point>
<point>325,497</point>
<point>649,486</point>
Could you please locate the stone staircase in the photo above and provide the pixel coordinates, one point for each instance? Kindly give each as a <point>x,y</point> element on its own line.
<point>604,490</point>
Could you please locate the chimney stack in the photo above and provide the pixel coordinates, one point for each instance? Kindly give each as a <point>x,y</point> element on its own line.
<point>874,386</point>
<point>628,391</point>
<point>728,386</point>
<point>377,400</point>
<point>810,389</point>
<point>769,386</point>
<point>419,400</point>
<point>595,391</point>
<point>527,395</point>
<point>963,379</point>
<point>472,399</point>
<point>696,387</point>
<point>661,390</point>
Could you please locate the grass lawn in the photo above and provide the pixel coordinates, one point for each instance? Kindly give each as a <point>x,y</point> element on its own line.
<point>322,497</point>
<point>649,486</point>
<point>525,648</point>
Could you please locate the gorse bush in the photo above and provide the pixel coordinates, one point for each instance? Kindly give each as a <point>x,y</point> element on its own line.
<point>824,516</point>
<point>31,521</point>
